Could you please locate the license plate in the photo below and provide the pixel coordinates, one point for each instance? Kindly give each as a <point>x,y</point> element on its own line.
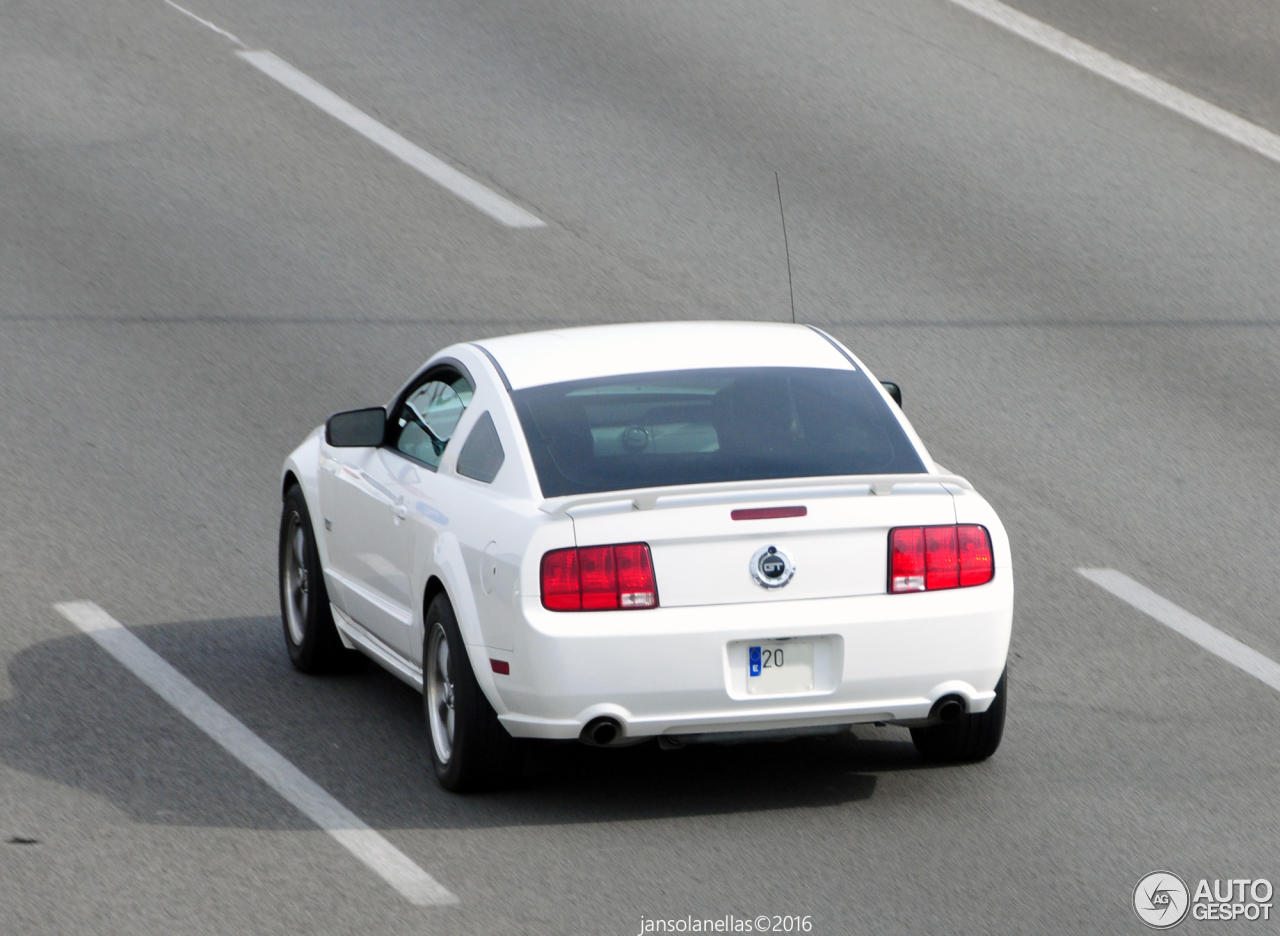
<point>779,666</point>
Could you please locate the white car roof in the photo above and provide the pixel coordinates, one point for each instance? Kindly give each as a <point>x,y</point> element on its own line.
<point>538,358</point>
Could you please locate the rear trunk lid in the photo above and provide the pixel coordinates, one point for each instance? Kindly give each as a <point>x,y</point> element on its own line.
<point>703,556</point>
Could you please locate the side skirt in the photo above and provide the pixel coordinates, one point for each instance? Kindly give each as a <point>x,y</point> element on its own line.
<point>355,637</point>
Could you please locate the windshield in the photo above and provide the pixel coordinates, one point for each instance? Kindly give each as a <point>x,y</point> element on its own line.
<point>701,426</point>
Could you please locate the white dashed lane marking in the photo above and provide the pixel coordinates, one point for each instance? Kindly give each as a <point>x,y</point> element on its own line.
<point>1187,624</point>
<point>205,23</point>
<point>383,858</point>
<point>437,170</point>
<point>502,210</point>
<point>1210,116</point>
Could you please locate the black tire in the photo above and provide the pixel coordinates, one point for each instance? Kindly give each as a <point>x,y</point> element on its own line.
<point>309,631</point>
<point>967,739</point>
<point>480,754</point>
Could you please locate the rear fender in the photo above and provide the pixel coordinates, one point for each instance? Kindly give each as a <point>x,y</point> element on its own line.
<point>972,507</point>
<point>447,563</point>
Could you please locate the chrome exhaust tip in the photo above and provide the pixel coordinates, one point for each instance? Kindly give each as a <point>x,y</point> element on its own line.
<point>948,709</point>
<point>601,731</point>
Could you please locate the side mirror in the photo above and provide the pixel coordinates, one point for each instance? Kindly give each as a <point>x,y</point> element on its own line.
<point>893,390</point>
<point>357,428</point>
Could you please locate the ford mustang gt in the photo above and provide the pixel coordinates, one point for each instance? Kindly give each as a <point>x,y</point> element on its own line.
<point>698,531</point>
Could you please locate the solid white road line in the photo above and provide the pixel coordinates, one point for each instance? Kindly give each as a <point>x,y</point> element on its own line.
<point>1250,135</point>
<point>1187,624</point>
<point>414,884</point>
<point>438,171</point>
<point>204,22</point>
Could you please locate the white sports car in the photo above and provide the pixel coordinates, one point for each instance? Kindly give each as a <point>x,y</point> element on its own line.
<point>682,531</point>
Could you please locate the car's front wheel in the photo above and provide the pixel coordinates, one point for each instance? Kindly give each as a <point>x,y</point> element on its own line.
<point>971,737</point>
<point>309,631</point>
<point>470,750</point>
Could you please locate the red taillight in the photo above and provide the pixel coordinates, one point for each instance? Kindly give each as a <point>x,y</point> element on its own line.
<point>906,559</point>
<point>976,565</point>
<point>941,566</point>
<point>599,578</point>
<point>937,557</point>
<point>561,590</point>
<point>636,587</point>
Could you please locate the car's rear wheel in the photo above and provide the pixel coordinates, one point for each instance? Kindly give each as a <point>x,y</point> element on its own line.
<point>470,750</point>
<point>309,631</point>
<point>971,737</point>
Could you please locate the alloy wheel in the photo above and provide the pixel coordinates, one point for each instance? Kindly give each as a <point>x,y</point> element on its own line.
<point>439,693</point>
<point>296,586</point>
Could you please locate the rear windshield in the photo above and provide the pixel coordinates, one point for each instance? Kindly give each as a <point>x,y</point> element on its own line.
<point>701,426</point>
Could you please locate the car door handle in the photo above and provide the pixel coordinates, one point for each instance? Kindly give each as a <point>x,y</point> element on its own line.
<point>400,510</point>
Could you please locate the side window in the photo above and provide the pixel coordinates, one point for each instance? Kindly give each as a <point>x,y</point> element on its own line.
<point>425,421</point>
<point>482,454</point>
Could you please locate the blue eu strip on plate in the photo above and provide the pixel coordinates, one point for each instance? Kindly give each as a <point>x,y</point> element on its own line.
<point>754,655</point>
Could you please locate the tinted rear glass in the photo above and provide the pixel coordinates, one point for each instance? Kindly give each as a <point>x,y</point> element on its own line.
<point>701,426</point>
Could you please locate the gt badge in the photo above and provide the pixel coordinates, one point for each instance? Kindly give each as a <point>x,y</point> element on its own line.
<point>771,567</point>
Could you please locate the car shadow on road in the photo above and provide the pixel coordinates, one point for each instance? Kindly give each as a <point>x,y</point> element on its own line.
<point>79,718</point>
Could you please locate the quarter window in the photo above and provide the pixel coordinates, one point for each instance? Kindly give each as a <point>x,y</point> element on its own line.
<point>425,421</point>
<point>481,456</point>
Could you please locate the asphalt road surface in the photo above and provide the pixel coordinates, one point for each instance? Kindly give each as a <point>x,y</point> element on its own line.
<point>1078,291</point>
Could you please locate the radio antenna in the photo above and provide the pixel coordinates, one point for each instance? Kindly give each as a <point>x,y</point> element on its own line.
<point>785,246</point>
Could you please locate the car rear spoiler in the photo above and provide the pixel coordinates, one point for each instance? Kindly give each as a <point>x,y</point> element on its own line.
<point>686,495</point>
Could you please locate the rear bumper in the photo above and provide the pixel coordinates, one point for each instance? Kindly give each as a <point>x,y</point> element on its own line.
<point>681,671</point>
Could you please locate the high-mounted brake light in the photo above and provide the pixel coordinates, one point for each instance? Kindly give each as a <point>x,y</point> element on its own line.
<point>768,513</point>
<point>937,557</point>
<point>599,578</point>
